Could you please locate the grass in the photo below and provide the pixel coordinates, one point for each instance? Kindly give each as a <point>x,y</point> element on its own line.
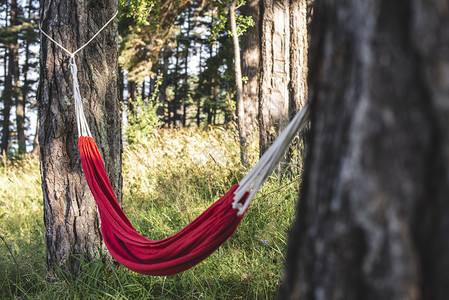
<point>169,179</point>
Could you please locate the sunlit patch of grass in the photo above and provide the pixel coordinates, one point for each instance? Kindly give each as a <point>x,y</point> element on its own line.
<point>22,250</point>
<point>169,179</point>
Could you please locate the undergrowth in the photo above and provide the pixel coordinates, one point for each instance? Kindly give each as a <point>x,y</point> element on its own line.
<point>169,179</point>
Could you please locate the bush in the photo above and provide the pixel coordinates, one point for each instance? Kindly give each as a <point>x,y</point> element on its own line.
<point>143,121</point>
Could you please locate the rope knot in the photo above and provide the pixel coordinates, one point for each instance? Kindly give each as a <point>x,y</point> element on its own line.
<point>72,60</point>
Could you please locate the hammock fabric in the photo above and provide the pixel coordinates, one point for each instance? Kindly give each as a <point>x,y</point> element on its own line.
<point>165,257</point>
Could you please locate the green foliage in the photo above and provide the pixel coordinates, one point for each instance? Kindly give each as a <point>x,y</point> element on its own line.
<point>145,28</point>
<point>168,181</point>
<point>144,120</point>
<point>139,10</point>
<point>243,22</point>
<point>219,25</point>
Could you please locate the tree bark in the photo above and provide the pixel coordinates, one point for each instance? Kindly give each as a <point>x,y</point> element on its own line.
<point>372,220</point>
<point>70,214</point>
<point>283,66</point>
<point>250,48</point>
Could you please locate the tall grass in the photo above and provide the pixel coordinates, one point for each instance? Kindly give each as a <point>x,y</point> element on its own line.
<point>169,179</point>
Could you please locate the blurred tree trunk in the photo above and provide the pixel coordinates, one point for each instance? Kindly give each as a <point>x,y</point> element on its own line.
<point>20,110</point>
<point>8,87</point>
<point>6,96</point>
<point>243,128</point>
<point>250,47</point>
<point>26,85</point>
<point>208,104</point>
<point>142,93</point>
<point>283,67</point>
<point>373,216</point>
<point>70,213</point>
<point>174,103</point>
<point>164,111</point>
<point>185,88</point>
<point>121,84</point>
<point>35,150</point>
<point>215,99</point>
<point>152,85</point>
<point>132,94</point>
<point>198,101</point>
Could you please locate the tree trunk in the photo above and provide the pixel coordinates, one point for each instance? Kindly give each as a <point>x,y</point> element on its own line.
<point>26,86</point>
<point>198,101</point>
<point>35,150</point>
<point>70,214</point>
<point>152,86</point>
<point>142,93</point>
<point>20,109</point>
<point>373,217</point>
<point>6,94</point>
<point>6,97</point>
<point>250,47</point>
<point>8,87</point>
<point>132,96</point>
<point>121,85</point>
<point>164,111</point>
<point>298,65</point>
<point>186,93</point>
<point>175,103</point>
<point>243,135</point>
<point>283,66</point>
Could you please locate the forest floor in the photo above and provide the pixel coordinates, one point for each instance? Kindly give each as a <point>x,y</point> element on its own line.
<point>169,179</point>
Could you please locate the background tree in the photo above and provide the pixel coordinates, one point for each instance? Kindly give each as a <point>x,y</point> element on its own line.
<point>372,219</point>
<point>71,218</point>
<point>238,83</point>
<point>18,36</point>
<point>283,65</point>
<point>8,90</point>
<point>30,38</point>
<point>250,49</point>
<point>228,13</point>
<point>16,20</point>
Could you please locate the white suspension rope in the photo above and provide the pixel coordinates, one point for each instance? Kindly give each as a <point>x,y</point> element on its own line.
<point>253,181</point>
<point>85,44</point>
<point>81,122</point>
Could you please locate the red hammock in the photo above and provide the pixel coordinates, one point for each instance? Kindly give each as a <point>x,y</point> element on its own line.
<point>165,257</point>
<point>200,238</point>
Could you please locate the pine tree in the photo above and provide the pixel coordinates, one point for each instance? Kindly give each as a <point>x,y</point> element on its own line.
<point>70,214</point>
